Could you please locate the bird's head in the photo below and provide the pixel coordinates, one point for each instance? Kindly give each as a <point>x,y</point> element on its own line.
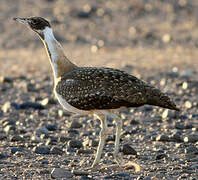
<point>37,24</point>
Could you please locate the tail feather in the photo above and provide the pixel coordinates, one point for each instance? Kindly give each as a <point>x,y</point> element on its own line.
<point>157,98</point>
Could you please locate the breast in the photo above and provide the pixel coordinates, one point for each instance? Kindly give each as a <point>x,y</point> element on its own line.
<point>67,106</point>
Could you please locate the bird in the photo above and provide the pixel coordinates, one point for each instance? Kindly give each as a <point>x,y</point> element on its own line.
<point>99,91</point>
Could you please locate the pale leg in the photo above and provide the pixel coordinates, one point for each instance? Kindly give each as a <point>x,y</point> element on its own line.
<point>118,121</point>
<point>103,134</point>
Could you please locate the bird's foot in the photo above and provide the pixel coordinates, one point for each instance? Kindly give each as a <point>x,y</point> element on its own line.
<point>118,158</point>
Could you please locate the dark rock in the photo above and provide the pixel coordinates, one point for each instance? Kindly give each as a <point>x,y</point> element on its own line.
<point>128,150</point>
<point>41,150</point>
<point>42,130</point>
<point>64,139</point>
<point>80,173</point>
<point>27,105</point>
<point>85,151</point>
<point>191,138</point>
<point>3,156</point>
<point>56,150</point>
<point>75,125</point>
<point>51,127</point>
<point>59,173</point>
<point>191,149</point>
<point>73,132</point>
<point>183,126</point>
<point>69,149</point>
<point>75,144</point>
<point>161,156</point>
<point>134,122</point>
<point>6,79</point>
<point>16,149</point>
<point>176,138</point>
<point>9,128</point>
<point>16,138</point>
<point>162,138</point>
<point>44,161</point>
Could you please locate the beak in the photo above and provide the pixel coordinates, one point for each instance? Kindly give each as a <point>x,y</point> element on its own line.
<point>22,20</point>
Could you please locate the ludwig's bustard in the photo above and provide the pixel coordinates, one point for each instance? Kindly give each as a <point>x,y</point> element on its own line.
<point>91,90</point>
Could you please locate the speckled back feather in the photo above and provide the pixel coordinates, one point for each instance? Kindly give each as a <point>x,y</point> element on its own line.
<point>90,88</point>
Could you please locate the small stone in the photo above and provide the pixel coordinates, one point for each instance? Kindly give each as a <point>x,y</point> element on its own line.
<point>75,125</point>
<point>188,104</point>
<point>162,138</point>
<point>161,156</point>
<point>16,138</point>
<point>134,122</point>
<point>75,144</point>
<point>64,139</point>
<point>8,128</point>
<point>35,139</point>
<point>80,173</point>
<point>16,149</point>
<point>191,138</point>
<point>56,150</point>
<point>128,150</point>
<point>6,107</point>
<point>3,156</point>
<point>176,138</point>
<point>85,151</point>
<point>42,130</point>
<point>166,38</point>
<point>6,79</point>
<point>33,105</point>
<point>168,114</point>
<point>179,125</point>
<point>187,73</point>
<point>51,127</point>
<point>58,173</point>
<point>41,150</point>
<point>191,150</point>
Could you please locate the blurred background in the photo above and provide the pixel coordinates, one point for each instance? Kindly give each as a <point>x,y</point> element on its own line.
<point>132,34</point>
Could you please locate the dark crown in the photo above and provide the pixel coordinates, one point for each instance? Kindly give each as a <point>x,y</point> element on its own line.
<point>38,23</point>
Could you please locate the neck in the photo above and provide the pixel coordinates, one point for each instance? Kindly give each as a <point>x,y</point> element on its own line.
<point>59,62</point>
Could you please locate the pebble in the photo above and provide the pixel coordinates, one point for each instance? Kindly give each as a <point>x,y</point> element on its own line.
<point>16,149</point>
<point>162,138</point>
<point>128,150</point>
<point>41,150</point>
<point>58,173</point>
<point>188,104</point>
<point>191,149</point>
<point>168,114</point>
<point>56,150</point>
<point>85,151</point>
<point>16,138</point>
<point>3,156</point>
<point>80,173</point>
<point>160,156</point>
<point>191,138</point>
<point>27,105</point>
<point>134,122</point>
<point>42,130</point>
<point>75,125</point>
<point>4,79</point>
<point>75,144</point>
<point>176,138</point>
<point>51,127</point>
<point>6,107</point>
<point>179,125</point>
<point>8,128</point>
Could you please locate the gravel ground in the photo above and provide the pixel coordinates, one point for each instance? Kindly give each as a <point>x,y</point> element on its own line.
<point>153,40</point>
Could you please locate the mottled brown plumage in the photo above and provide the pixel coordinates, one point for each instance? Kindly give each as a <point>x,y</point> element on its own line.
<point>90,88</point>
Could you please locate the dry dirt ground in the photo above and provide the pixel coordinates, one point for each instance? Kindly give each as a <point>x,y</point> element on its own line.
<point>155,40</point>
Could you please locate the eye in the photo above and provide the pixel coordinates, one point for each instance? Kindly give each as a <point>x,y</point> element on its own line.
<point>34,21</point>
